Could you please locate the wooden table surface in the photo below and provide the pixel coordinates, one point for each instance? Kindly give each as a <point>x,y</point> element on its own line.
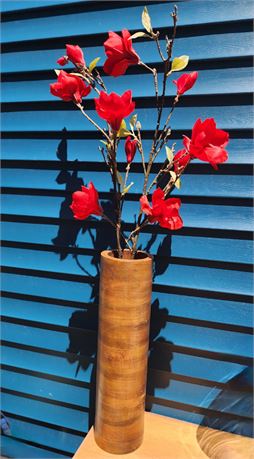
<point>167,438</point>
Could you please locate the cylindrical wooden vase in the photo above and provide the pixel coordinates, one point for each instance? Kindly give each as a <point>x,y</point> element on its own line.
<point>124,317</point>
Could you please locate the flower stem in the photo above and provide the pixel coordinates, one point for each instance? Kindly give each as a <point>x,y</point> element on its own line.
<point>114,226</point>
<point>146,66</point>
<point>93,122</point>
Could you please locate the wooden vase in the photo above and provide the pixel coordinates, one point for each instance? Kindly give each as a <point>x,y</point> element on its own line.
<point>124,317</point>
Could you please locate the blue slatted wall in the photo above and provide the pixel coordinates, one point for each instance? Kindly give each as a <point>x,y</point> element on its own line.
<point>200,350</point>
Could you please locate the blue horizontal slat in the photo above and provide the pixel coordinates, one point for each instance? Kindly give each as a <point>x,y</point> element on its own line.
<point>177,413</point>
<point>84,23</point>
<point>52,390</point>
<point>177,391</point>
<point>44,435</point>
<point>194,215</point>
<point>192,185</point>
<point>175,275</point>
<point>240,150</point>
<point>13,5</point>
<point>12,447</point>
<point>214,340</point>
<point>53,414</point>
<point>182,364</point>
<point>82,292</point>
<point>50,364</point>
<point>197,47</point>
<point>38,286</point>
<point>177,246</point>
<point>218,311</point>
<point>231,81</point>
<point>182,392</point>
<point>233,117</point>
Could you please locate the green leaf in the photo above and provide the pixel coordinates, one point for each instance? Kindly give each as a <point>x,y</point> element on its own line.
<point>103,141</point>
<point>169,153</point>
<point>57,71</point>
<point>146,20</point>
<point>133,121</point>
<point>93,64</point>
<point>126,189</point>
<point>138,35</point>
<point>123,131</point>
<point>179,63</point>
<point>173,175</point>
<point>120,179</point>
<point>178,183</point>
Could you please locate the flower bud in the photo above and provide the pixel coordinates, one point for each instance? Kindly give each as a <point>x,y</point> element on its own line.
<point>130,149</point>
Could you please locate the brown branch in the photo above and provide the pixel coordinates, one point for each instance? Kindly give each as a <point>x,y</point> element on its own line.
<point>93,122</point>
<point>114,226</point>
<point>156,39</point>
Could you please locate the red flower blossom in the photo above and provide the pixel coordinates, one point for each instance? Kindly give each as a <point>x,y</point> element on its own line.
<point>130,149</point>
<point>185,82</point>
<point>120,53</point>
<point>85,202</point>
<point>114,108</point>
<point>74,54</point>
<point>181,159</point>
<point>207,143</point>
<point>164,211</point>
<point>69,87</point>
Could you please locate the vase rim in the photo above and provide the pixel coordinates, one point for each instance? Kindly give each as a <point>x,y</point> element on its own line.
<point>146,257</point>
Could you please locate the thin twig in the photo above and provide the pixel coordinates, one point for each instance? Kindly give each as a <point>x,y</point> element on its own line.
<point>176,99</point>
<point>100,81</point>
<point>156,39</point>
<point>171,42</point>
<point>126,175</point>
<point>138,229</point>
<point>114,226</point>
<point>93,122</point>
<point>157,176</point>
<point>140,148</point>
<point>146,66</point>
<point>101,149</point>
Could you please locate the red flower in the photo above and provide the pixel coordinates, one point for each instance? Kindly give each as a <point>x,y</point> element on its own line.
<point>181,159</point>
<point>185,82</point>
<point>85,202</point>
<point>62,60</point>
<point>164,211</point>
<point>74,54</point>
<point>69,87</point>
<point>207,142</point>
<point>130,149</point>
<point>120,53</point>
<point>114,108</point>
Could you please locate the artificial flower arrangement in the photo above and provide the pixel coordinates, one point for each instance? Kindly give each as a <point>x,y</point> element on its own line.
<point>124,307</point>
<point>207,143</point>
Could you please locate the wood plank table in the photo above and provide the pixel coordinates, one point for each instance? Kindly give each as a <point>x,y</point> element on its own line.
<point>167,438</point>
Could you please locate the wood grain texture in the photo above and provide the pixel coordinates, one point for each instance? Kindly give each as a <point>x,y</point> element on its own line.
<point>167,438</point>
<point>124,316</point>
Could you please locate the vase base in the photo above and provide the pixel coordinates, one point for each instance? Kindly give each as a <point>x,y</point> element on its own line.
<point>118,447</point>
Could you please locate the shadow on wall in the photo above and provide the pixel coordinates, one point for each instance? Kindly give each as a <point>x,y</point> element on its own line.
<point>84,323</point>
